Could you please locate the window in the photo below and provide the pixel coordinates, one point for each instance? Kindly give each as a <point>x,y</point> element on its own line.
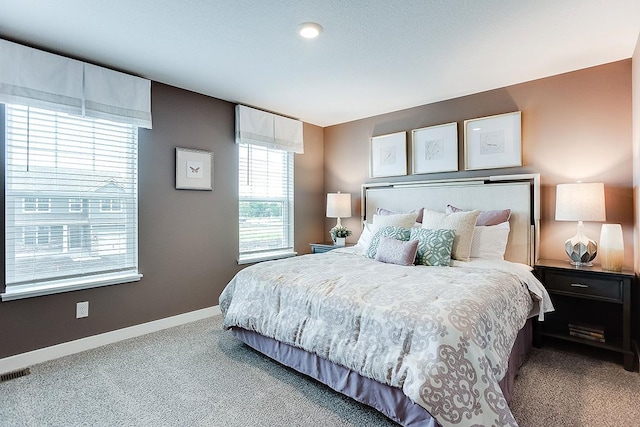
<point>265,203</point>
<point>110,205</point>
<point>77,205</point>
<point>59,165</point>
<point>35,204</point>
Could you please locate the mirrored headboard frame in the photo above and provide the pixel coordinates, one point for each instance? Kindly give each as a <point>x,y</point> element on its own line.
<point>520,193</point>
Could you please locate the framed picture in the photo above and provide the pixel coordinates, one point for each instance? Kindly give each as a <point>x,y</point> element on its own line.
<point>388,155</point>
<point>434,149</point>
<point>493,142</point>
<point>194,169</point>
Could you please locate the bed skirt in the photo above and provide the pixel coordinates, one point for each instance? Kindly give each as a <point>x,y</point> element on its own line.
<point>388,400</point>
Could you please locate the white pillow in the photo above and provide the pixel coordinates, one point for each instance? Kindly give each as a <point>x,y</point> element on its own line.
<point>365,237</point>
<point>462,223</point>
<point>490,241</point>
<point>397,220</point>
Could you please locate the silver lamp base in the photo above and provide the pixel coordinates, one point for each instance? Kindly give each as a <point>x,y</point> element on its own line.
<point>581,249</point>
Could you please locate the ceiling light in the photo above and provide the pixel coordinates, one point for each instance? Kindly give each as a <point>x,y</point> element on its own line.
<point>309,30</point>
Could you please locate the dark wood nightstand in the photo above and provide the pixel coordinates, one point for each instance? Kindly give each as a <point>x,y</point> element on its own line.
<point>593,306</point>
<point>318,248</point>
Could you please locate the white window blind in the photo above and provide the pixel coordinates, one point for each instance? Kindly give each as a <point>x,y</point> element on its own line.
<point>71,202</point>
<point>265,203</point>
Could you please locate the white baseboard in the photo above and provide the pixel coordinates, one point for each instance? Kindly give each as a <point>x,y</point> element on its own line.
<point>23,360</point>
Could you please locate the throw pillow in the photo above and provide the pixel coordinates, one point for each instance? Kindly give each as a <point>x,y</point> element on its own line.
<point>365,236</point>
<point>398,233</point>
<point>490,242</point>
<point>486,217</point>
<point>396,220</point>
<point>434,246</point>
<point>462,223</point>
<point>398,252</point>
<point>382,211</point>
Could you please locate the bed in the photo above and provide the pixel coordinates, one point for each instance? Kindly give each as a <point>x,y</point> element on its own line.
<point>425,345</point>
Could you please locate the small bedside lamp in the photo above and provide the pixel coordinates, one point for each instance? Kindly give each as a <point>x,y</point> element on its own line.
<point>580,202</point>
<point>338,206</point>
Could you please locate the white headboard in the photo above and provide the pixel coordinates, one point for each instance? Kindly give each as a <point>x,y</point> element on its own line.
<point>520,193</point>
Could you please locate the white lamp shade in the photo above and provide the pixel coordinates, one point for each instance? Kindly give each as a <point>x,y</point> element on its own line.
<point>338,205</point>
<point>580,202</point>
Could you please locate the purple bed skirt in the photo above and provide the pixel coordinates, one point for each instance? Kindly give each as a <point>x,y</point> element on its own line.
<point>390,401</point>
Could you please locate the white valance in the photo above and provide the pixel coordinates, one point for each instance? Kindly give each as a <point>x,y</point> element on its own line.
<point>39,79</point>
<point>116,96</point>
<point>35,78</point>
<point>269,130</point>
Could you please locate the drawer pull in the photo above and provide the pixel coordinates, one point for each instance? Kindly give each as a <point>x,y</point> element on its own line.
<point>579,285</point>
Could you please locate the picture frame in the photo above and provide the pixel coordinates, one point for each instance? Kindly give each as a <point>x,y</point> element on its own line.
<point>493,142</point>
<point>434,149</point>
<point>194,169</point>
<point>388,155</point>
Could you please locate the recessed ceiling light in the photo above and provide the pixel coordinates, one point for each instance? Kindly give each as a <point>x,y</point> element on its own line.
<point>309,30</point>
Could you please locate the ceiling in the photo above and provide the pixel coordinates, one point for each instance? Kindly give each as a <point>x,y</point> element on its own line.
<point>373,57</point>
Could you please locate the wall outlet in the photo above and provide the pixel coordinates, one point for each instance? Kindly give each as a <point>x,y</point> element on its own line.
<point>82,309</point>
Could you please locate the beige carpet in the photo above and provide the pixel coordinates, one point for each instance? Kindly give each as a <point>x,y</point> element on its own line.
<point>199,375</point>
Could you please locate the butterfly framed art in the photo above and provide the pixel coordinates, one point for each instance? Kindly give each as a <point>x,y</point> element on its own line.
<point>194,169</point>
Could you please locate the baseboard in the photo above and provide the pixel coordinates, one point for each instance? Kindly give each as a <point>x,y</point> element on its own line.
<point>23,360</point>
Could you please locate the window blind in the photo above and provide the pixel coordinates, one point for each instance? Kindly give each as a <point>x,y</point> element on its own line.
<point>265,202</point>
<point>71,202</point>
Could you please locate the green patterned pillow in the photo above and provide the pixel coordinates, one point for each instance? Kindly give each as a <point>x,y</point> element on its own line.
<point>434,246</point>
<point>398,233</point>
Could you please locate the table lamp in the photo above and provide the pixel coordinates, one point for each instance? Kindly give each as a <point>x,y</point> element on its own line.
<point>580,202</point>
<point>338,206</point>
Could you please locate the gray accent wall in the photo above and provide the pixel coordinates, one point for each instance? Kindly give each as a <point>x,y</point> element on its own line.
<point>188,239</point>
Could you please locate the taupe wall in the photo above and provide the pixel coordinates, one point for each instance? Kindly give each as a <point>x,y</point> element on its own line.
<point>188,239</point>
<point>574,126</point>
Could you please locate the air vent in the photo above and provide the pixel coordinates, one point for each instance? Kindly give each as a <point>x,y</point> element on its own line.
<point>15,374</point>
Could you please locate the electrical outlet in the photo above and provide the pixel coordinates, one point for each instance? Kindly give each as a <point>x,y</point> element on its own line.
<point>82,309</point>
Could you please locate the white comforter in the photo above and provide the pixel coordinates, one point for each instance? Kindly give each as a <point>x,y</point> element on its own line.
<point>441,334</point>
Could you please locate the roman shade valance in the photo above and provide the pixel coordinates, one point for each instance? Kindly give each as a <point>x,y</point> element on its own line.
<point>268,130</point>
<point>34,78</point>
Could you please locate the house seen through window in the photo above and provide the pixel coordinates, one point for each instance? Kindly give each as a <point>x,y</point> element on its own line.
<point>71,198</point>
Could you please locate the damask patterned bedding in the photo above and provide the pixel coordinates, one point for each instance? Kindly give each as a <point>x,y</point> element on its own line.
<point>441,334</point>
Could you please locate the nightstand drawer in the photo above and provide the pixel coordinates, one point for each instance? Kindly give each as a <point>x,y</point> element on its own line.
<point>582,285</point>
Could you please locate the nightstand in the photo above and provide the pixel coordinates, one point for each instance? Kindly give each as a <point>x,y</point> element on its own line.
<point>318,248</point>
<point>593,306</point>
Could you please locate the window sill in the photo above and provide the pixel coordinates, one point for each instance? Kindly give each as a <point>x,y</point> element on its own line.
<point>250,259</point>
<point>67,285</point>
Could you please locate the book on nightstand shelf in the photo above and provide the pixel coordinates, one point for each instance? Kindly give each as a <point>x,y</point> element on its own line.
<point>587,332</point>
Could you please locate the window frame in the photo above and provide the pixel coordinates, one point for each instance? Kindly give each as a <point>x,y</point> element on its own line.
<point>284,251</point>
<point>48,232</point>
<point>37,201</point>
<point>76,201</point>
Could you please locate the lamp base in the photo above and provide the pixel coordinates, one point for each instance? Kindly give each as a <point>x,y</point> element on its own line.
<point>581,252</point>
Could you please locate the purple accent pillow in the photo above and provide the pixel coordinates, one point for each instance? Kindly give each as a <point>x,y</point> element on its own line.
<point>486,217</point>
<point>394,251</point>
<point>420,212</point>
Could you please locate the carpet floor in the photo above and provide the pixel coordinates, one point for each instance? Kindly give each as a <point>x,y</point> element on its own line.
<point>200,375</point>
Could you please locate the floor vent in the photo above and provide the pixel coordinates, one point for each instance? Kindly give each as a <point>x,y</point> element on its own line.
<point>15,374</point>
